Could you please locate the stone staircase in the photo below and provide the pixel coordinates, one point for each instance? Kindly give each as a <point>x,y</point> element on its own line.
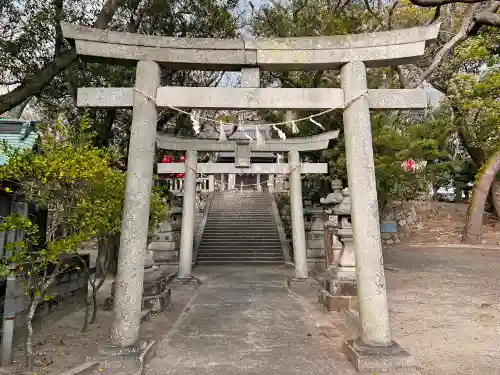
<point>241,228</point>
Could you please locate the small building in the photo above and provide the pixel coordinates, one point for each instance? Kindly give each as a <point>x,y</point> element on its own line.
<point>19,134</point>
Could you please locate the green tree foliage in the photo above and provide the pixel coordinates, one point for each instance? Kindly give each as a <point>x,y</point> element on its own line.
<point>76,183</point>
<point>41,67</point>
<point>396,136</point>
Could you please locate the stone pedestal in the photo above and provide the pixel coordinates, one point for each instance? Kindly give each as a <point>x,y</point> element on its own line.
<point>376,359</point>
<point>316,246</point>
<point>332,244</point>
<point>156,295</point>
<point>165,244</point>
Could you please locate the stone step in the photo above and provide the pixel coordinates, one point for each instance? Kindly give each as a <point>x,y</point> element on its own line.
<point>239,261</point>
<point>241,219</point>
<point>241,223</point>
<point>274,243</point>
<point>235,239</point>
<point>243,232</point>
<point>203,255</point>
<point>241,214</point>
<point>240,249</point>
<point>241,229</point>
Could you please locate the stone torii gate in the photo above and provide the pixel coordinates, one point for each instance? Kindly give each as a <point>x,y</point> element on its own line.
<point>242,165</point>
<point>352,54</point>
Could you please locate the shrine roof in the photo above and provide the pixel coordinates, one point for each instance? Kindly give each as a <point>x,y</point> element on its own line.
<point>19,134</point>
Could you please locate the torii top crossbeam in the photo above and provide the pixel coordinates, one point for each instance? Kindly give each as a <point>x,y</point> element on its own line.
<point>272,54</point>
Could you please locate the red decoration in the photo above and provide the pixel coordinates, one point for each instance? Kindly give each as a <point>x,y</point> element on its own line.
<point>171,159</point>
<point>409,165</point>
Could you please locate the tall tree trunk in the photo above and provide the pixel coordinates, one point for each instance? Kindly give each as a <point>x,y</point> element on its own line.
<point>29,338</point>
<point>35,83</point>
<point>473,232</point>
<point>495,193</point>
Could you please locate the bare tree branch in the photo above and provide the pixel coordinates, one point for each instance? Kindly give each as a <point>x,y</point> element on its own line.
<point>58,11</point>
<point>107,12</point>
<point>299,8</point>
<point>317,78</point>
<point>433,3</point>
<point>370,10</point>
<point>434,18</point>
<point>18,112</point>
<point>137,17</point>
<point>32,85</point>
<point>452,43</point>
<point>487,17</point>
<point>403,82</point>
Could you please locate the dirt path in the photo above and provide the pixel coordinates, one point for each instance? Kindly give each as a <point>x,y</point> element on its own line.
<point>445,308</point>
<point>246,321</point>
<point>444,223</point>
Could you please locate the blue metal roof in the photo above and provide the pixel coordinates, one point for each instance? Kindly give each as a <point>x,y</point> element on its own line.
<point>18,134</point>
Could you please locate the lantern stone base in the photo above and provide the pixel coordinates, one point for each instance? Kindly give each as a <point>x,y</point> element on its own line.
<point>338,295</point>
<point>376,359</point>
<point>156,296</point>
<point>131,358</point>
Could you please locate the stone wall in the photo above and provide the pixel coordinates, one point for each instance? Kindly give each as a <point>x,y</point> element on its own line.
<point>405,217</point>
<point>69,290</point>
<point>166,242</point>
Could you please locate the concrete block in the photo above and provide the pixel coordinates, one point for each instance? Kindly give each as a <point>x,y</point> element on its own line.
<point>340,288</point>
<point>378,359</point>
<point>315,253</point>
<point>162,246</point>
<point>344,273</point>
<point>164,256</point>
<point>337,303</point>
<point>316,244</point>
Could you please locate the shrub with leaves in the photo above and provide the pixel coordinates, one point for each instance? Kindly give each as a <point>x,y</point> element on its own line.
<point>84,194</point>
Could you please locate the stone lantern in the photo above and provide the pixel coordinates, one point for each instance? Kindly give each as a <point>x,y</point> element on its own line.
<point>332,245</point>
<point>345,262</point>
<point>340,279</point>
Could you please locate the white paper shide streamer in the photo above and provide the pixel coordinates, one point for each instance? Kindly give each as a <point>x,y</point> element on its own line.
<point>195,122</point>
<point>259,138</point>
<point>294,127</point>
<point>281,134</point>
<point>222,133</point>
<point>317,123</point>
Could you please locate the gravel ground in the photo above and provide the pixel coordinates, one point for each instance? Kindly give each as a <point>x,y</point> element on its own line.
<point>445,308</point>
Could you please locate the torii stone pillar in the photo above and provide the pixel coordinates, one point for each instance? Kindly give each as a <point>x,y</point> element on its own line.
<point>372,296</point>
<point>135,221</point>
<point>188,216</point>
<point>297,213</point>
